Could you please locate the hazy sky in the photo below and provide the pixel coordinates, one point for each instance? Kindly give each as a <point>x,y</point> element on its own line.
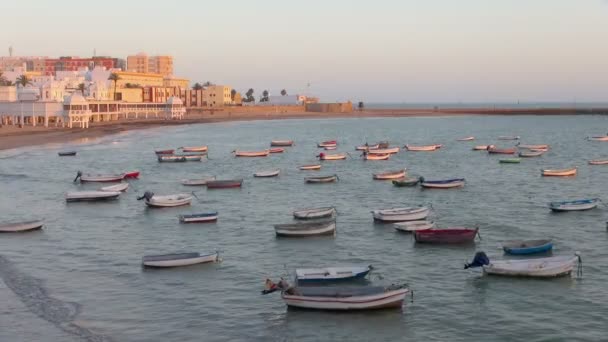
<point>375,51</point>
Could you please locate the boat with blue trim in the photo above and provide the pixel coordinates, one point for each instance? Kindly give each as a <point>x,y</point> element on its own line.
<point>331,274</point>
<point>520,247</point>
<point>577,205</point>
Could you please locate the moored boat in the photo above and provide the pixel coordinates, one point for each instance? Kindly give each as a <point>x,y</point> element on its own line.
<point>18,227</point>
<point>598,138</point>
<point>194,149</point>
<point>341,298</point>
<point>368,156</point>
<point>314,213</point>
<point>197,182</point>
<point>178,259</point>
<point>576,205</point>
<point>471,138</point>
<point>330,148</point>
<point>66,153</point>
<point>537,268</point>
<point>401,214</point>
<point>91,196</point>
<point>598,162</point>
<point>328,143</point>
<point>270,173</point>
<point>367,147</point>
<point>281,143</point>
<point>412,226</point>
<point>389,175</point>
<point>411,181</point>
<point>263,153</point>
<point>559,172</point>
<point>530,154</point>
<point>199,218</point>
<point>178,158</point>
<point>321,179</point>
<point>167,151</point>
<point>391,150</point>
<point>442,184</point>
<point>276,150</point>
<point>510,161</point>
<point>156,201</point>
<point>310,167</point>
<point>331,274</point>
<point>446,235</point>
<point>521,247</point>
<point>121,187</point>
<point>481,147</point>
<point>494,150</point>
<point>423,148</point>
<point>224,183</point>
<point>304,229</point>
<point>533,147</point>
<point>337,156</point>
<point>131,174</point>
<point>97,178</point>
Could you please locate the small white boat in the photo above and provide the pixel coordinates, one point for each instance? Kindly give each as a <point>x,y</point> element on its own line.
<point>329,143</point>
<point>508,137</point>
<point>194,149</point>
<point>391,150</point>
<point>599,138</point>
<point>271,173</point>
<point>533,147</point>
<point>397,174</point>
<point>367,147</point>
<point>311,167</point>
<point>199,218</point>
<point>98,178</point>
<point>368,156</point>
<point>531,154</point>
<point>471,138</point>
<point>538,267</point>
<point>281,143</point>
<point>263,153</point>
<point>330,148</point>
<point>314,213</point>
<point>331,274</point>
<point>17,227</point>
<point>577,205</point>
<point>306,229</point>
<point>412,226</point>
<point>178,259</point>
<point>424,148</point>
<point>481,147</point>
<point>122,187</point>
<point>321,179</point>
<point>178,158</point>
<point>91,196</point>
<point>401,214</point>
<point>559,172</point>
<point>156,201</point>
<point>337,156</point>
<point>442,184</point>
<point>198,181</point>
<point>598,162</point>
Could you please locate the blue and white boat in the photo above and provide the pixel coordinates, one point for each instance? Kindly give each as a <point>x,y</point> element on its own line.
<point>331,274</point>
<point>521,247</point>
<point>442,184</point>
<point>577,205</point>
<point>199,218</point>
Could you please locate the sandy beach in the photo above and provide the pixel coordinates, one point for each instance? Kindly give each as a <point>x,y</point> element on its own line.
<point>15,137</point>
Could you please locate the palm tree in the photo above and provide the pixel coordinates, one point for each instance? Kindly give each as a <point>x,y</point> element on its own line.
<point>283,92</point>
<point>23,81</point>
<point>264,96</point>
<point>249,95</point>
<point>361,105</point>
<point>197,86</point>
<point>115,78</point>
<point>82,87</point>
<point>232,94</point>
<point>207,84</point>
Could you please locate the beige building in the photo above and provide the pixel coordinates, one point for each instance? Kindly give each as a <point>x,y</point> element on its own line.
<point>137,78</point>
<point>143,63</point>
<point>176,82</point>
<point>217,95</point>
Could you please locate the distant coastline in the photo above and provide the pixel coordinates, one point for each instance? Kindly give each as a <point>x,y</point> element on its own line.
<point>14,137</point>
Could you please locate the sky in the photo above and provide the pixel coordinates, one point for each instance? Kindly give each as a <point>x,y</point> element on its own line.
<point>400,51</point>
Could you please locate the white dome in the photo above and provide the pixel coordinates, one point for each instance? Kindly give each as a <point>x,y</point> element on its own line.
<point>174,101</point>
<point>75,99</point>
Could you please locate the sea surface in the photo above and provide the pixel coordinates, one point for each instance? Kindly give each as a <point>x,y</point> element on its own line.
<point>80,277</point>
<point>502,105</point>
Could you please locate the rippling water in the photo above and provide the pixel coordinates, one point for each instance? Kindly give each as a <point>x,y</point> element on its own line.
<point>82,272</point>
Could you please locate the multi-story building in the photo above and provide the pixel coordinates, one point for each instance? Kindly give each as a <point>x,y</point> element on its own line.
<point>217,95</point>
<point>31,63</point>
<point>52,65</point>
<point>142,63</point>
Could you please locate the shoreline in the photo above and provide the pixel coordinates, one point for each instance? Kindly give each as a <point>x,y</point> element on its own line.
<point>12,137</point>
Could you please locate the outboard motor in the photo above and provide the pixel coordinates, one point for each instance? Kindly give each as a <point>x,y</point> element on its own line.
<point>421,179</point>
<point>78,175</point>
<point>147,195</point>
<point>480,259</point>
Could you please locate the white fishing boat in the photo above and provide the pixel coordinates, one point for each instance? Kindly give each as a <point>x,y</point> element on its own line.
<point>198,182</point>
<point>401,214</point>
<point>533,147</point>
<point>368,156</point>
<point>91,196</point>
<point>311,167</point>
<point>391,150</point>
<point>577,205</point>
<point>412,226</point>
<point>314,213</point>
<point>156,201</point>
<point>194,149</point>
<point>559,172</point>
<point>271,173</point>
<point>199,218</point>
<point>343,298</point>
<point>330,148</point>
<point>321,179</point>
<point>306,229</point>
<point>178,158</point>
<point>178,259</point>
<point>598,138</point>
<point>281,143</point>
<point>17,227</point>
<point>98,178</point>
<point>442,184</point>
<point>537,268</point>
<point>263,153</point>
<point>531,154</point>
<point>386,175</point>
<point>337,156</point>
<point>122,187</point>
<point>331,274</point>
<point>367,147</point>
<point>424,148</point>
<point>598,162</point>
<point>482,147</point>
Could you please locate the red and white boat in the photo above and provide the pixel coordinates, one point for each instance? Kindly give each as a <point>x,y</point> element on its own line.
<point>131,174</point>
<point>337,156</point>
<point>328,143</point>
<point>168,151</point>
<point>368,156</point>
<point>446,235</point>
<point>98,178</point>
<point>330,148</point>
<point>391,150</point>
<point>367,147</point>
<point>195,149</point>
<point>251,153</point>
<point>559,172</point>
<point>598,162</point>
<point>599,138</point>
<point>423,148</point>
<point>390,175</point>
<point>481,147</point>
<point>277,150</point>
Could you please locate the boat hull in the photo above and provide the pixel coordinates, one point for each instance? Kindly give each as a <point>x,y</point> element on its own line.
<point>204,218</point>
<point>445,236</point>
<point>536,268</point>
<point>331,274</point>
<point>397,215</point>
<point>315,213</point>
<point>181,262</point>
<point>224,184</point>
<point>389,175</point>
<point>559,173</point>
<point>443,184</point>
<point>168,201</point>
<point>19,227</point>
<point>305,230</point>
<point>527,247</point>
<point>91,196</point>
<point>579,205</point>
<point>281,143</point>
<point>386,300</point>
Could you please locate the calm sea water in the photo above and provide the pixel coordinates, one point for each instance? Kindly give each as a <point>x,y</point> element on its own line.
<point>429,105</point>
<point>82,273</point>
